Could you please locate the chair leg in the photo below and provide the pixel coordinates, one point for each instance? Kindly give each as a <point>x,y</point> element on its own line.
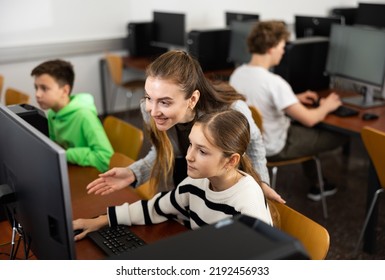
<point>367,218</point>
<point>274,172</point>
<point>129,96</point>
<point>114,93</point>
<point>321,186</point>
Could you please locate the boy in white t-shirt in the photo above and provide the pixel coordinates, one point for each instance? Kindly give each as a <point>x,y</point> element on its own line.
<point>278,104</point>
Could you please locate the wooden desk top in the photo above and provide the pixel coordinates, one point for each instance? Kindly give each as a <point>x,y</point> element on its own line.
<point>354,124</point>
<point>86,206</point>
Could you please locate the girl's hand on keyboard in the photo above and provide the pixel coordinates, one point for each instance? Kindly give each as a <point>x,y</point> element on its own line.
<point>88,225</point>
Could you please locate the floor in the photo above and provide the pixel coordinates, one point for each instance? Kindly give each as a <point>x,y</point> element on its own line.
<point>346,208</point>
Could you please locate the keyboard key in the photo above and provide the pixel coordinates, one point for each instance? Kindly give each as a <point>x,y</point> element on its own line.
<point>116,240</point>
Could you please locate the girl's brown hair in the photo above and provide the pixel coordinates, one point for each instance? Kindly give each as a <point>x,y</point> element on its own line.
<point>230,124</point>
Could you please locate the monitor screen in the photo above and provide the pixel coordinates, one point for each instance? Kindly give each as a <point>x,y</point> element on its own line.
<point>169,30</point>
<point>307,26</point>
<point>358,53</point>
<point>231,16</point>
<point>239,31</point>
<point>370,14</point>
<point>35,169</point>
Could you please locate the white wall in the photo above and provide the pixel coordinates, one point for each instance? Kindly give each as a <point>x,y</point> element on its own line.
<point>54,21</point>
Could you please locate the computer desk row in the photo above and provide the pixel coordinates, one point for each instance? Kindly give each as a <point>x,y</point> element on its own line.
<point>352,126</point>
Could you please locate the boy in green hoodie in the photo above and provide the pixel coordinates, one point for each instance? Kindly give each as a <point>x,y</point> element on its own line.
<point>72,119</point>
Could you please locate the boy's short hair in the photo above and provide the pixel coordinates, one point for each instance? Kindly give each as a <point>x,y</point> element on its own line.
<point>62,71</point>
<point>266,35</point>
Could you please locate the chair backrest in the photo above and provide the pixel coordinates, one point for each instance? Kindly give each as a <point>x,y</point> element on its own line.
<point>124,137</point>
<point>13,96</point>
<point>374,141</point>
<point>115,68</point>
<point>314,237</point>
<point>257,116</point>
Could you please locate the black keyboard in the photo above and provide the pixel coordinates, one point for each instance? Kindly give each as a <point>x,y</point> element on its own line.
<point>116,240</point>
<point>344,111</point>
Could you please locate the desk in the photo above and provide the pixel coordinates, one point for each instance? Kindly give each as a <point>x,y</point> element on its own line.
<point>84,205</point>
<point>140,64</point>
<point>353,126</point>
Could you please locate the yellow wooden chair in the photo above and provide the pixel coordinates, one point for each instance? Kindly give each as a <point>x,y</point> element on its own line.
<point>124,137</point>
<point>14,96</point>
<point>313,236</point>
<point>258,119</point>
<point>146,190</point>
<point>115,70</point>
<point>374,142</point>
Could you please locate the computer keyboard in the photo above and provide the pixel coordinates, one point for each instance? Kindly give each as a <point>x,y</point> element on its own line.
<point>344,111</point>
<point>116,240</point>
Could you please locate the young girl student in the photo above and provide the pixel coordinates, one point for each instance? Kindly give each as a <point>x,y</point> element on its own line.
<point>176,93</point>
<point>221,182</point>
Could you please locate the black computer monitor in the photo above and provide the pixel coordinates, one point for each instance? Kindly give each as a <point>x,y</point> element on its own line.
<point>236,16</point>
<point>370,14</point>
<point>347,13</point>
<point>210,47</point>
<point>34,169</point>
<point>307,26</point>
<point>169,30</point>
<point>239,51</point>
<point>303,64</point>
<point>356,53</point>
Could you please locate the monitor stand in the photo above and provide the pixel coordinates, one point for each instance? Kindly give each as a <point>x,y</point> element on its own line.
<point>367,99</point>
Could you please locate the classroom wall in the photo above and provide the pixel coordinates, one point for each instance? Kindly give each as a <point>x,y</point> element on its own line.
<point>82,31</point>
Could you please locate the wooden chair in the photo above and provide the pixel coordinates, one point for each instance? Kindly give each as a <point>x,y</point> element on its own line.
<point>374,142</point>
<point>124,137</point>
<point>14,96</point>
<point>257,116</point>
<point>313,236</point>
<point>146,190</point>
<point>115,70</point>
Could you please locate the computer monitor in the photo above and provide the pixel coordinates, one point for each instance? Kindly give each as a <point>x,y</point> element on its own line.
<point>239,31</point>
<point>370,14</point>
<point>303,64</point>
<point>347,13</point>
<point>236,16</point>
<point>169,30</point>
<point>307,26</point>
<point>35,188</point>
<point>32,115</point>
<point>357,54</point>
<point>210,47</point>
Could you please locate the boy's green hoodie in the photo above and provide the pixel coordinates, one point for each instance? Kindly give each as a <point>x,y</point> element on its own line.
<point>77,128</point>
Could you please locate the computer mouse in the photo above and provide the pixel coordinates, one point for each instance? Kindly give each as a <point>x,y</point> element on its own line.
<point>369,116</point>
